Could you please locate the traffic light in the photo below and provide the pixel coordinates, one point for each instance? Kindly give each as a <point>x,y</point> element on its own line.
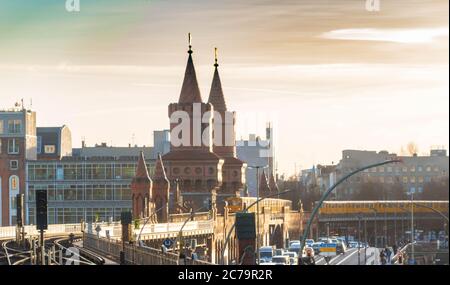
<point>41,210</point>
<point>19,208</point>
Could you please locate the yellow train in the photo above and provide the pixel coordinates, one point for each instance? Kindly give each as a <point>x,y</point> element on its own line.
<point>238,204</point>
<point>389,207</point>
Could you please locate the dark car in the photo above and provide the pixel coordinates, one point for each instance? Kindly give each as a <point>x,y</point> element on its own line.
<point>340,248</point>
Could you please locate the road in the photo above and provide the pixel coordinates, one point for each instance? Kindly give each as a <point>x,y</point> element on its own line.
<point>351,257</point>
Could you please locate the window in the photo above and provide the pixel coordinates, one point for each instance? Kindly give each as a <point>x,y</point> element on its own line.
<point>428,168</point>
<point>389,169</point>
<point>413,169</point>
<point>420,189</point>
<point>420,179</point>
<point>419,168</point>
<point>14,126</point>
<point>412,179</point>
<point>405,179</point>
<point>1,127</point>
<point>49,149</point>
<point>13,164</point>
<point>13,146</point>
<point>39,144</point>
<point>380,169</point>
<point>405,169</point>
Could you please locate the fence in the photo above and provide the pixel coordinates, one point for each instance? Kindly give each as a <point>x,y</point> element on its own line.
<point>134,255</point>
<point>10,232</point>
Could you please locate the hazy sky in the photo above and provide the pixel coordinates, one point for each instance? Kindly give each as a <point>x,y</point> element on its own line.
<point>331,74</point>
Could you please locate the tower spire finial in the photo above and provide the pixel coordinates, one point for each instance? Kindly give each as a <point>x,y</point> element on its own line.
<point>215,57</point>
<point>190,43</point>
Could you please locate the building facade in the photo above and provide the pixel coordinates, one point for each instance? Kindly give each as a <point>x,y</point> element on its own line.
<point>17,145</point>
<point>257,151</point>
<point>80,188</point>
<point>412,173</point>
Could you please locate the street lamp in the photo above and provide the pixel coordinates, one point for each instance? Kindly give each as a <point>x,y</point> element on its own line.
<point>327,193</point>
<point>245,211</point>
<point>257,167</point>
<point>146,221</point>
<point>375,225</point>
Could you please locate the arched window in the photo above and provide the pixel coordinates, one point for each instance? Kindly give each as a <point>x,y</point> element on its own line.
<point>13,183</point>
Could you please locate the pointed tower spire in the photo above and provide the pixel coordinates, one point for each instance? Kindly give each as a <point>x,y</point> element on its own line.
<point>264,189</point>
<point>273,184</point>
<point>190,93</point>
<point>141,169</point>
<point>216,97</point>
<point>160,173</point>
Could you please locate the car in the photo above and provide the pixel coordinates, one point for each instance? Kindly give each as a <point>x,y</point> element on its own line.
<point>293,241</point>
<point>266,253</point>
<point>340,247</point>
<point>281,260</point>
<point>353,244</point>
<point>295,247</point>
<point>293,257</point>
<point>316,247</point>
<point>309,242</point>
<point>279,251</point>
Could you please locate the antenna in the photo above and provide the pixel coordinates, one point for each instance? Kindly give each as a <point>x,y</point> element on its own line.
<point>190,43</point>
<point>215,57</point>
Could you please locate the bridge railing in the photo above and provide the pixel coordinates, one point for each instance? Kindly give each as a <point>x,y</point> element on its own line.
<point>134,255</point>
<point>10,232</point>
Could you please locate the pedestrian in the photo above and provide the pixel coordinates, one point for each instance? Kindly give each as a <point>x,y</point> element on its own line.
<point>383,257</point>
<point>388,254</point>
<point>394,247</point>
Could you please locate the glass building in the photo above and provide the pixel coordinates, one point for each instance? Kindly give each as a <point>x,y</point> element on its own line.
<point>88,189</point>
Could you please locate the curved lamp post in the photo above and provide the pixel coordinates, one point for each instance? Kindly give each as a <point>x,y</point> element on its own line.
<point>245,211</point>
<point>146,221</point>
<point>326,194</point>
<point>180,233</point>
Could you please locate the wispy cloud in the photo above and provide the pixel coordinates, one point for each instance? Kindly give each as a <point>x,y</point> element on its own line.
<point>405,36</point>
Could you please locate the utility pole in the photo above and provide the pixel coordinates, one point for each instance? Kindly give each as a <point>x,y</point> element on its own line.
<point>257,216</point>
<point>359,239</point>
<point>365,240</point>
<point>412,226</point>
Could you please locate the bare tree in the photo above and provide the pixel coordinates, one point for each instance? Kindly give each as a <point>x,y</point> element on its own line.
<point>412,148</point>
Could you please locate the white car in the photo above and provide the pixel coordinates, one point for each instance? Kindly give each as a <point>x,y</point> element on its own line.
<point>281,260</point>
<point>293,257</point>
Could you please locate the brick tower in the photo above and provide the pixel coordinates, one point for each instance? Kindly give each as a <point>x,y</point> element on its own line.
<point>192,161</point>
<point>160,192</point>
<point>224,140</point>
<point>141,191</point>
<point>264,189</point>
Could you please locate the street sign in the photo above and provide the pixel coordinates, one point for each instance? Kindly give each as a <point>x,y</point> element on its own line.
<point>328,249</point>
<point>168,243</point>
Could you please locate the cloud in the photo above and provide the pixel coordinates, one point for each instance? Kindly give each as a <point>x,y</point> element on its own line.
<point>388,35</point>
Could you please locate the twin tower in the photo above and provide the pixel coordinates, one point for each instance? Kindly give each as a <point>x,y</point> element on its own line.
<point>199,173</point>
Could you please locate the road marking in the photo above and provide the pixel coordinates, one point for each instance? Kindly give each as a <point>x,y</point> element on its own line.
<point>347,257</point>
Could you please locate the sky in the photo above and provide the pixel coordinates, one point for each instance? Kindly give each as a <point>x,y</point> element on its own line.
<point>330,74</point>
